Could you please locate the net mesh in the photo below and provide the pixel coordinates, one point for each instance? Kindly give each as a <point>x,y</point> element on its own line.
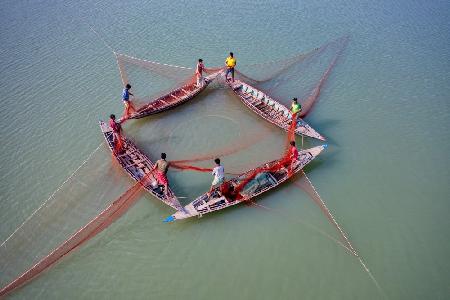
<point>100,222</point>
<point>73,205</point>
<point>301,76</point>
<point>151,80</point>
<point>82,206</point>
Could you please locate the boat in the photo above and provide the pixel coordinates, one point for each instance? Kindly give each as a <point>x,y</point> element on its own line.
<point>262,181</point>
<point>173,99</point>
<point>138,165</point>
<point>271,110</point>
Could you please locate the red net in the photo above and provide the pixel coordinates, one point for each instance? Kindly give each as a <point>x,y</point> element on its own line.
<point>149,80</point>
<point>180,166</point>
<point>301,76</point>
<point>284,161</point>
<point>245,142</point>
<point>96,225</point>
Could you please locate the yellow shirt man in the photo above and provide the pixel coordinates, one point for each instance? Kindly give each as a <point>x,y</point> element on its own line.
<point>230,63</point>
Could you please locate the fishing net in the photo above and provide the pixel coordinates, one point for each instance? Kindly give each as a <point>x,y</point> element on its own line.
<point>85,204</point>
<point>151,80</point>
<point>301,76</point>
<point>76,212</point>
<point>284,162</point>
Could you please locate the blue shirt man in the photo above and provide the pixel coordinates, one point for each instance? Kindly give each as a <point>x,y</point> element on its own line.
<point>126,101</point>
<point>126,93</point>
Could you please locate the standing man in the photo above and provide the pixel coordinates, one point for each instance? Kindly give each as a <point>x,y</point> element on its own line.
<point>126,101</point>
<point>117,131</point>
<point>160,167</point>
<point>296,108</point>
<point>219,175</point>
<point>199,72</point>
<point>293,156</point>
<point>230,63</point>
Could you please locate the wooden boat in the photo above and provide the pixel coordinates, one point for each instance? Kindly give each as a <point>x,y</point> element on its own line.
<point>271,110</point>
<point>173,99</point>
<point>138,165</point>
<point>262,182</point>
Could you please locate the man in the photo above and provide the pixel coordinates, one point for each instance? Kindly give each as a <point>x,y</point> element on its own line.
<point>117,130</point>
<point>126,101</point>
<point>160,168</point>
<point>230,63</point>
<point>227,190</point>
<point>296,107</point>
<point>219,175</point>
<point>199,72</point>
<point>293,155</point>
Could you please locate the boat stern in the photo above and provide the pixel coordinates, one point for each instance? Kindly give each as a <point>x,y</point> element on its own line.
<point>315,151</point>
<point>104,127</point>
<point>304,128</point>
<point>179,215</point>
<point>212,77</point>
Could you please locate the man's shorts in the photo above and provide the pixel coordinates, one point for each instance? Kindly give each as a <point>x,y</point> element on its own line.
<point>217,181</point>
<point>230,70</point>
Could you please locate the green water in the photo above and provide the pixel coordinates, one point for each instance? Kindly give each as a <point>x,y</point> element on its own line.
<point>385,176</point>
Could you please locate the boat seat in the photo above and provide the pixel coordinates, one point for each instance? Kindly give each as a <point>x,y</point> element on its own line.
<point>280,117</point>
<point>261,105</point>
<point>127,153</point>
<point>255,101</point>
<point>272,113</point>
<point>264,109</point>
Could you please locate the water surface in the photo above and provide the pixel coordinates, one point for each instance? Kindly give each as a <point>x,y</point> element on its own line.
<point>385,110</point>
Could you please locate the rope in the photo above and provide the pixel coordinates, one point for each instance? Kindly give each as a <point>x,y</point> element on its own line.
<point>327,211</point>
<point>304,223</point>
<point>355,253</point>
<point>102,39</point>
<point>51,197</point>
<point>153,62</point>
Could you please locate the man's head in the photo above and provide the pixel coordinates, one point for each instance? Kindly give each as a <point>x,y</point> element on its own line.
<point>200,60</point>
<point>163,155</point>
<point>128,86</point>
<point>112,116</point>
<point>217,161</point>
<point>231,54</point>
<point>294,99</point>
<point>292,143</point>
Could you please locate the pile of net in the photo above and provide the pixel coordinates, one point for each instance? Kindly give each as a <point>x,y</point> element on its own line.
<point>97,194</point>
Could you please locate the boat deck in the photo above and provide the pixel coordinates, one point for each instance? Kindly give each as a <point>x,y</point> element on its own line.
<point>271,110</point>
<point>138,165</point>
